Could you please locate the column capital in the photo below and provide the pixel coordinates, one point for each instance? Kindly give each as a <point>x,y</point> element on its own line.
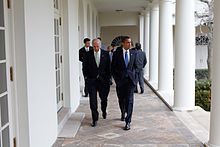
<point>154,6</point>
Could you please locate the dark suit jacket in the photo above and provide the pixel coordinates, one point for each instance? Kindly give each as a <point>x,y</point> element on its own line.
<point>141,59</point>
<point>82,53</point>
<point>101,73</point>
<point>118,67</point>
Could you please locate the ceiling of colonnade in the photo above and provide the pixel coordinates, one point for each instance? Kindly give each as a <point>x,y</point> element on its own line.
<point>125,5</point>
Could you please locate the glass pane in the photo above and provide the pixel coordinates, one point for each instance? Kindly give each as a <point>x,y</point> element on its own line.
<point>54,26</point>
<point>5,137</point>
<point>54,4</point>
<point>57,26</point>
<point>1,13</point>
<point>2,45</point>
<point>3,79</point>
<point>57,77</point>
<point>4,110</point>
<point>56,44</point>
<point>57,61</point>
<point>58,94</point>
<point>57,4</point>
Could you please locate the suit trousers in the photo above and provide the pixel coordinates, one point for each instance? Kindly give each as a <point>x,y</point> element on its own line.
<point>86,91</point>
<point>140,74</point>
<point>125,93</point>
<point>95,86</point>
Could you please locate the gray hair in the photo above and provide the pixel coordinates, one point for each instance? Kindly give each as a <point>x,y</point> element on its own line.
<point>96,40</point>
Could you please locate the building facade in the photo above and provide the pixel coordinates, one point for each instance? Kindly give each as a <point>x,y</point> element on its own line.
<point>40,74</point>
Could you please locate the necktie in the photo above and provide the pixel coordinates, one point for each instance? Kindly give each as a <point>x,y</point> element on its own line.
<point>97,59</point>
<point>126,58</point>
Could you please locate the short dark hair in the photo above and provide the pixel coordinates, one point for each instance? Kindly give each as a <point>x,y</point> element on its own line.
<point>124,38</point>
<point>138,46</point>
<point>99,38</point>
<point>86,39</point>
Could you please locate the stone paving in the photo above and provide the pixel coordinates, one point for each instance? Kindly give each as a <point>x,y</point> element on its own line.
<point>153,125</point>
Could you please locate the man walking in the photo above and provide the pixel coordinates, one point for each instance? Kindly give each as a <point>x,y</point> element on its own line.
<point>97,69</point>
<point>124,73</point>
<point>82,54</point>
<point>141,62</point>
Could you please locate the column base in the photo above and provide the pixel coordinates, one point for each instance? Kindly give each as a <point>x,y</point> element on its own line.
<point>210,145</point>
<point>154,84</point>
<point>168,96</point>
<point>184,109</point>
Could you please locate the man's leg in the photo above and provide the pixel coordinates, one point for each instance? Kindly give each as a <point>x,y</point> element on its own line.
<point>121,100</point>
<point>103,90</point>
<point>86,91</point>
<point>141,80</point>
<point>93,101</point>
<point>129,104</point>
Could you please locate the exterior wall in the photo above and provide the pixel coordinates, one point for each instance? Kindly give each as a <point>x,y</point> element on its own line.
<point>118,19</point>
<point>42,108</point>
<point>109,33</point>
<point>201,56</point>
<point>35,73</point>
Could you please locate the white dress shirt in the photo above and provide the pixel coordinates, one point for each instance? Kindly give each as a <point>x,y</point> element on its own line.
<point>98,58</point>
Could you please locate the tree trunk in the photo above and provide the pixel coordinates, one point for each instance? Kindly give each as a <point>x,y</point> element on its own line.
<point>209,59</point>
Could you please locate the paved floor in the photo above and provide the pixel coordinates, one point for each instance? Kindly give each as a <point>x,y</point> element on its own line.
<point>153,125</point>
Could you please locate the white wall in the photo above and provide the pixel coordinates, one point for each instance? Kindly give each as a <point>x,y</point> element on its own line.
<point>39,16</point>
<point>20,76</point>
<point>71,56</point>
<point>35,73</point>
<point>201,56</point>
<point>118,19</point>
<point>109,33</point>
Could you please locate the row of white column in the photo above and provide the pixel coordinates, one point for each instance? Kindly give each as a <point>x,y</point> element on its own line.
<point>157,40</point>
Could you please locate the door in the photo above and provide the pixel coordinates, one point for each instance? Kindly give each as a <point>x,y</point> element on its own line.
<point>58,53</point>
<point>5,126</point>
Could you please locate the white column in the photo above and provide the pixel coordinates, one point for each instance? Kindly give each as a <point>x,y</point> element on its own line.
<point>214,140</point>
<point>141,29</point>
<point>146,41</point>
<point>184,84</point>
<point>165,79</point>
<point>154,39</point>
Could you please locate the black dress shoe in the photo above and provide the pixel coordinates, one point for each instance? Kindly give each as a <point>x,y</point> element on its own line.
<point>142,90</point>
<point>104,114</point>
<point>127,126</point>
<point>94,124</point>
<point>86,95</point>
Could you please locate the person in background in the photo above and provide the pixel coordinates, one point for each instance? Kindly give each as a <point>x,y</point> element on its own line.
<point>102,45</point>
<point>141,61</point>
<point>82,54</point>
<point>110,50</point>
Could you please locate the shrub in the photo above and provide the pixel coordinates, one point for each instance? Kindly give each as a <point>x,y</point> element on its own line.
<point>201,74</point>
<point>203,94</point>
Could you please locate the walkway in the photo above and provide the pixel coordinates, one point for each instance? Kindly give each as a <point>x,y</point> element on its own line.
<point>153,125</point>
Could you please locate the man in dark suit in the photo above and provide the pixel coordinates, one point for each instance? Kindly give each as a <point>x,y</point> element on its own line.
<point>141,62</point>
<point>124,72</point>
<point>97,69</point>
<point>82,54</point>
